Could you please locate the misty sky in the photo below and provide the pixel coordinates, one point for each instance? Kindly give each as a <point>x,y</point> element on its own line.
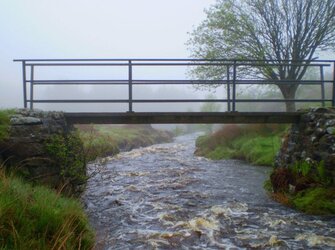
<point>91,29</point>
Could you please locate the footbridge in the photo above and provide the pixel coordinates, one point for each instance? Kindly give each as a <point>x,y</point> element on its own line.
<point>234,75</point>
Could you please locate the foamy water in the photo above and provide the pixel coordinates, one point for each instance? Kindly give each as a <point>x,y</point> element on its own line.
<point>164,197</point>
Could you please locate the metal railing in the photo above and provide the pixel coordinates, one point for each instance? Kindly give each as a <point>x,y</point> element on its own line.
<point>230,79</point>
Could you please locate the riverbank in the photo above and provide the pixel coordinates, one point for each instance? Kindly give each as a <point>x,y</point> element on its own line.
<point>108,140</point>
<point>32,215</point>
<point>42,217</point>
<point>305,183</point>
<point>164,197</point>
<point>37,217</point>
<point>256,144</point>
<point>304,173</point>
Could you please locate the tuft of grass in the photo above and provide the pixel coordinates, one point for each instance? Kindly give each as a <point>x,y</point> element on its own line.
<point>258,150</point>
<point>306,186</point>
<point>5,122</point>
<point>257,144</point>
<point>317,200</point>
<point>35,217</point>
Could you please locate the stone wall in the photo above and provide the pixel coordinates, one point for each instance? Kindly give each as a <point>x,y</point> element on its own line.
<point>37,141</point>
<point>311,140</point>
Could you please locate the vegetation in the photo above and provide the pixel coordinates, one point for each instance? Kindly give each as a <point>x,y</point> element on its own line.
<point>104,140</point>
<point>67,152</point>
<point>4,123</point>
<point>276,30</point>
<point>258,144</point>
<point>306,186</point>
<point>317,200</point>
<point>35,217</point>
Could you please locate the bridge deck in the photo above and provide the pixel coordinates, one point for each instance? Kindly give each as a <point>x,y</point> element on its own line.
<point>181,117</point>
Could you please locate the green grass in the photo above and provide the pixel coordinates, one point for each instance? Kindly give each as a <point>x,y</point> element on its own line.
<point>318,200</point>
<point>259,150</point>
<point>312,188</point>
<point>106,140</point>
<point>257,144</point>
<point>5,122</point>
<point>39,218</point>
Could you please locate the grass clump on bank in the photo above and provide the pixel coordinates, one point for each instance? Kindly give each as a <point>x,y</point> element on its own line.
<point>257,144</point>
<point>35,217</point>
<point>107,140</point>
<point>305,186</point>
<point>4,123</point>
<point>319,200</point>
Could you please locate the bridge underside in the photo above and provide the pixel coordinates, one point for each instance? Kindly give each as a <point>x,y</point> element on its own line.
<point>183,118</point>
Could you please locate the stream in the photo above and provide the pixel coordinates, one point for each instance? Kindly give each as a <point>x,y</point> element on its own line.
<point>164,197</point>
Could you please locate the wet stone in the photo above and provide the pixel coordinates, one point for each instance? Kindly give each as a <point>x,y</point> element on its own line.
<point>330,130</point>
<point>25,121</point>
<point>330,122</point>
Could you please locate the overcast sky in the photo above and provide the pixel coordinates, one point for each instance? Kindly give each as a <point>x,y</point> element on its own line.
<point>91,29</point>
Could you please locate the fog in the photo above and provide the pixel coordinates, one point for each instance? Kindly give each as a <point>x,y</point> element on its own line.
<point>109,29</point>
<point>95,29</point>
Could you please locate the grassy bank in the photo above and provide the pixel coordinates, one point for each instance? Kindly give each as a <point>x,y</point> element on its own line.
<point>105,140</point>
<point>257,144</point>
<point>305,186</point>
<point>35,217</point>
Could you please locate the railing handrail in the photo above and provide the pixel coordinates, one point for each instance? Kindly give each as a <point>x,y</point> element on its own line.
<point>167,59</point>
<point>231,80</point>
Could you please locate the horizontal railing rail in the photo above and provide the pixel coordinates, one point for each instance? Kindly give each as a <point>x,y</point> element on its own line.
<point>231,79</point>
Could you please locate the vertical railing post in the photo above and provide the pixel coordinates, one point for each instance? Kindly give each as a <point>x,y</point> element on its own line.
<point>234,86</point>
<point>322,79</point>
<point>31,86</point>
<point>130,86</point>
<point>228,89</point>
<point>24,78</point>
<point>333,102</point>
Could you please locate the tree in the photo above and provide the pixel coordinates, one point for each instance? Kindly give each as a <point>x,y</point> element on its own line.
<point>277,30</point>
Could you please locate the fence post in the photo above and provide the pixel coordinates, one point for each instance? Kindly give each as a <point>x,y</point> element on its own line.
<point>228,89</point>
<point>130,86</point>
<point>31,86</point>
<point>24,84</point>
<point>234,86</point>
<point>322,78</point>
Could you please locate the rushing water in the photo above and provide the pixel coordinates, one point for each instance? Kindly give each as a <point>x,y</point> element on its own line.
<point>164,197</point>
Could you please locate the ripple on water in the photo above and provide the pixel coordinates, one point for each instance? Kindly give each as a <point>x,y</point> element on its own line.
<point>163,197</point>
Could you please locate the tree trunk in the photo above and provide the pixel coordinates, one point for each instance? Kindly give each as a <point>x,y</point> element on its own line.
<point>289,91</point>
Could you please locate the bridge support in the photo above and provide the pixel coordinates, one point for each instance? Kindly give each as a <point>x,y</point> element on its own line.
<point>183,118</point>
